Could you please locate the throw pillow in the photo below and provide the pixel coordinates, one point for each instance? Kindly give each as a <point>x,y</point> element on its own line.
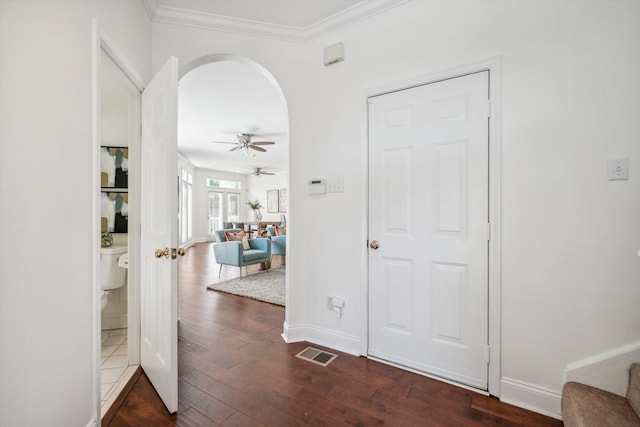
<point>238,237</point>
<point>245,243</point>
<point>281,231</point>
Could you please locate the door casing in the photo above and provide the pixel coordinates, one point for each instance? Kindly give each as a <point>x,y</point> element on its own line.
<point>100,42</point>
<point>494,66</point>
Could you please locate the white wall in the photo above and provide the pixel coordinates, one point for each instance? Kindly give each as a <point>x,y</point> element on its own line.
<point>569,236</point>
<point>257,190</point>
<point>46,218</point>
<point>570,101</point>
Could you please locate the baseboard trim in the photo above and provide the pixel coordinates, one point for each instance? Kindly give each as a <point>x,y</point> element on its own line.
<point>530,396</point>
<point>192,242</point>
<point>608,370</point>
<point>325,337</point>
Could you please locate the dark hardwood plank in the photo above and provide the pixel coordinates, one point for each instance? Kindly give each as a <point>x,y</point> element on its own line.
<point>235,370</point>
<point>106,417</point>
<point>142,407</point>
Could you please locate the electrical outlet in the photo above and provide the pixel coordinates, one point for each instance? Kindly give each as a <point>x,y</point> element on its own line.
<point>335,302</point>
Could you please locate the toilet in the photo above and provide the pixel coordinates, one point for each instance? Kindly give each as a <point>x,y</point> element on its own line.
<point>112,275</point>
<point>104,299</point>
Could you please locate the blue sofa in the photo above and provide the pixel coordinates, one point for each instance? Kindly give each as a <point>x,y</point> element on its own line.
<point>232,253</point>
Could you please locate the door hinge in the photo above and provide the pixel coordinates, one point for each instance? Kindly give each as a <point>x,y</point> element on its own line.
<point>487,355</point>
<point>489,231</point>
<point>488,108</point>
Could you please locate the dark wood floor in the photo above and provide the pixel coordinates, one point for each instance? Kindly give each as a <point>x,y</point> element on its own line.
<point>235,370</point>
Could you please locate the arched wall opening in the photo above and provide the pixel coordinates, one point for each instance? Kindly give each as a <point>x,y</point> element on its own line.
<point>200,146</point>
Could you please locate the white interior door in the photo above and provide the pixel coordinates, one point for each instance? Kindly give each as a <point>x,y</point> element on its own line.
<point>428,211</point>
<point>159,195</point>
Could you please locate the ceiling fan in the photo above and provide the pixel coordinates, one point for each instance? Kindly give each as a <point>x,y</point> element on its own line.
<point>245,143</point>
<point>258,172</point>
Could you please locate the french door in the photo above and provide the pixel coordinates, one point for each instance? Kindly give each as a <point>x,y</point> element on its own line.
<point>223,206</point>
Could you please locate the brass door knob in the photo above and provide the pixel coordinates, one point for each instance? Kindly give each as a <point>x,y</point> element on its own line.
<point>160,253</point>
<point>374,244</point>
<point>181,251</point>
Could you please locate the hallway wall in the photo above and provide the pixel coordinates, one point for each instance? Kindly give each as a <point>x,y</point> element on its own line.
<point>47,256</point>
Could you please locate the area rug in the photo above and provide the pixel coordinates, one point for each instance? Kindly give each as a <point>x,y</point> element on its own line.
<point>268,286</point>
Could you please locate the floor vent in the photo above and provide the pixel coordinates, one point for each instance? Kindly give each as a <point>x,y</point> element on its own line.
<point>316,356</point>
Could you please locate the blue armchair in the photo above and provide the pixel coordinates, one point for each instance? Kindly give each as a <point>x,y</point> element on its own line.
<point>231,253</point>
<point>278,243</point>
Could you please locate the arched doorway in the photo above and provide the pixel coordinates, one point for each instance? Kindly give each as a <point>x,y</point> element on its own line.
<point>222,96</point>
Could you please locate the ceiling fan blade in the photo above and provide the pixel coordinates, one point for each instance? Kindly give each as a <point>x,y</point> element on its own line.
<point>257,148</point>
<point>262,143</point>
<point>266,173</point>
<point>236,148</point>
<point>222,142</point>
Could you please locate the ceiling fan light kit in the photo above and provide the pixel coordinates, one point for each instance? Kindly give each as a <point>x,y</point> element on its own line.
<point>244,143</point>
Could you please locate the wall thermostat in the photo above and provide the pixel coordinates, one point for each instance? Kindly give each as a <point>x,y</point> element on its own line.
<point>317,186</point>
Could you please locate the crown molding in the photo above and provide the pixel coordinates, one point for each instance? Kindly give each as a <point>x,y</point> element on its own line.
<point>358,12</point>
<point>150,6</point>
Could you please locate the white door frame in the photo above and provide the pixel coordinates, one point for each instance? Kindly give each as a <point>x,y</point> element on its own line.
<point>494,66</point>
<point>100,41</point>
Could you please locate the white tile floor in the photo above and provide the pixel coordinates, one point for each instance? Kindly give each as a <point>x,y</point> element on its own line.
<point>114,366</point>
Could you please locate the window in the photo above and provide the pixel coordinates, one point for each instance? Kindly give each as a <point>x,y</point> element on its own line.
<point>233,207</point>
<point>216,214</point>
<point>221,183</point>
<point>186,206</point>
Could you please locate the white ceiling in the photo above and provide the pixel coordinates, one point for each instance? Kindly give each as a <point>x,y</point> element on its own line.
<point>219,100</point>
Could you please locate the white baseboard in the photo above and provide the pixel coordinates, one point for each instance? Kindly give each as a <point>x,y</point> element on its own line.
<point>114,322</point>
<point>608,371</point>
<point>92,423</point>
<point>530,396</point>
<point>193,241</point>
<point>321,336</point>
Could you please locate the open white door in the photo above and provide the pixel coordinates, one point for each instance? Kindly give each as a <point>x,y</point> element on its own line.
<point>159,272</point>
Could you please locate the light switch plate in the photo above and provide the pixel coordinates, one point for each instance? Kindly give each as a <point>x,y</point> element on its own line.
<point>335,185</point>
<point>618,169</point>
